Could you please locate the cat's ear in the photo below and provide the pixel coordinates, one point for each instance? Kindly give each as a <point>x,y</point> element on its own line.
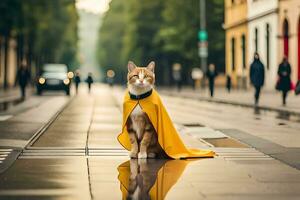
<point>151,66</point>
<point>131,66</point>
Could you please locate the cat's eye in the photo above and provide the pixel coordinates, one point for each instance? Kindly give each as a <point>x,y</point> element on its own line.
<point>134,76</point>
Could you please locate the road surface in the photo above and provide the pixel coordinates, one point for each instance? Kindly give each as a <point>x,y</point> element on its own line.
<point>78,156</point>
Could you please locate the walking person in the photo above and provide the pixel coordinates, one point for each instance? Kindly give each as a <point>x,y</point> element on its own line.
<point>284,79</point>
<point>176,73</point>
<point>77,80</point>
<point>23,78</point>
<point>257,76</point>
<point>89,80</point>
<point>228,83</point>
<point>211,75</point>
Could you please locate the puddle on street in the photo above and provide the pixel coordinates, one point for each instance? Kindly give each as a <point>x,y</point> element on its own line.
<point>4,106</point>
<point>149,179</point>
<point>283,115</point>
<point>279,115</point>
<point>257,111</point>
<point>45,179</point>
<point>84,177</point>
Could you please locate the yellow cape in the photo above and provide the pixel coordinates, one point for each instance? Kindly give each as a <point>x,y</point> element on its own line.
<point>168,137</point>
<point>166,174</point>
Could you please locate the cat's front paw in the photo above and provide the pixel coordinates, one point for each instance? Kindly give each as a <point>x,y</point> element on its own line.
<point>133,154</point>
<point>142,155</point>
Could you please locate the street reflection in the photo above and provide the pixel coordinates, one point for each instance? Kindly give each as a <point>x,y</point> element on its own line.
<point>7,104</point>
<point>283,115</point>
<point>257,111</point>
<point>149,179</point>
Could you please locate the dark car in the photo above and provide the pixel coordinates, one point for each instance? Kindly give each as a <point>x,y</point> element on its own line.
<point>53,77</point>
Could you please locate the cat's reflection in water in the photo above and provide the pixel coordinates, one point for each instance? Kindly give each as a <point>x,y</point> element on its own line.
<point>145,179</point>
<point>142,177</point>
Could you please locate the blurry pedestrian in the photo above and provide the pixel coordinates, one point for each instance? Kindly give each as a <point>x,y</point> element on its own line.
<point>197,75</point>
<point>176,73</point>
<point>77,80</point>
<point>257,76</point>
<point>284,78</point>
<point>228,83</point>
<point>89,80</point>
<point>211,75</point>
<point>23,78</point>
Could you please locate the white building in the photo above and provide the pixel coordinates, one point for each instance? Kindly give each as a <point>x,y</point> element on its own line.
<point>263,31</point>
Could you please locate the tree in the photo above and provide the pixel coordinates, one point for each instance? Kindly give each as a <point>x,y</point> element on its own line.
<point>45,31</point>
<point>56,31</point>
<point>216,33</point>
<point>9,10</point>
<point>161,30</point>
<point>179,34</point>
<point>110,41</point>
<point>142,25</point>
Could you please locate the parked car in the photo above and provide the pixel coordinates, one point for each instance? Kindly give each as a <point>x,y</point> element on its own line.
<point>53,77</point>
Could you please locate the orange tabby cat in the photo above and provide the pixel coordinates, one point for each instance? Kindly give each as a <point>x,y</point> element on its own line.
<point>143,138</point>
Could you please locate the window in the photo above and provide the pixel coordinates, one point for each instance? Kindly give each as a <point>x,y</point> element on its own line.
<point>243,41</point>
<point>233,54</point>
<point>268,45</point>
<point>256,40</point>
<point>286,38</point>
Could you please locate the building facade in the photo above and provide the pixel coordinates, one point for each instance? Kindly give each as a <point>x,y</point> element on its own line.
<point>236,40</point>
<point>271,28</point>
<point>289,34</point>
<point>262,29</point>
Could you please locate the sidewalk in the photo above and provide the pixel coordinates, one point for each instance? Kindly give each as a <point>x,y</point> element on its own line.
<point>268,100</point>
<point>19,129</point>
<point>14,93</point>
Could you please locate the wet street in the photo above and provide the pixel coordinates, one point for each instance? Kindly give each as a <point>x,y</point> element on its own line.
<point>77,155</point>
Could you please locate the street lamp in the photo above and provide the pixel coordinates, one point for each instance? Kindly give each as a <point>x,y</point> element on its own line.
<point>110,74</point>
<point>202,36</point>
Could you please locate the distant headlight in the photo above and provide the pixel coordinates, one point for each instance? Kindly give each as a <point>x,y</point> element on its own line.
<point>66,81</point>
<point>70,74</point>
<point>42,81</point>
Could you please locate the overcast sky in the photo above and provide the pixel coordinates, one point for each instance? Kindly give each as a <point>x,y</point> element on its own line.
<point>94,6</point>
